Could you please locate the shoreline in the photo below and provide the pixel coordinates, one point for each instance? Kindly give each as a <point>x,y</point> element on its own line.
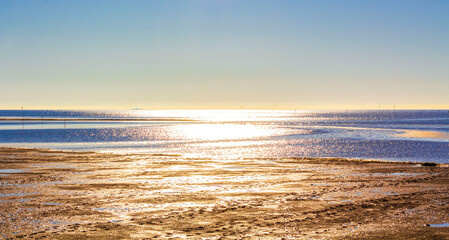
<point>373,160</point>
<point>62,194</point>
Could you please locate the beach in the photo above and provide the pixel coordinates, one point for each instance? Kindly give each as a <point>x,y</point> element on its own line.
<point>224,120</point>
<point>85,195</point>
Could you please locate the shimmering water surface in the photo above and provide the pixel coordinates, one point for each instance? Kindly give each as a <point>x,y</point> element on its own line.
<point>389,135</point>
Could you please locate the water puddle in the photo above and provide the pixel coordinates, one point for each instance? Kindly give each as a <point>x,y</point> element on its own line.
<point>56,222</point>
<point>404,174</point>
<point>16,194</point>
<point>384,174</point>
<point>54,166</point>
<point>36,184</point>
<point>11,171</point>
<point>52,204</point>
<point>383,192</point>
<point>116,221</point>
<point>117,209</point>
<point>438,225</point>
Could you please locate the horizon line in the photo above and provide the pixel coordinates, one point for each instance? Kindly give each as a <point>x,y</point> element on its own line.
<point>224,109</point>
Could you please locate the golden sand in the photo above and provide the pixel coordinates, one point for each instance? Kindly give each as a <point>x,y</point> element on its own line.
<point>88,195</point>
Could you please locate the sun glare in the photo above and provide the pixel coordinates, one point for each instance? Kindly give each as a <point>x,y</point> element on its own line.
<point>208,132</point>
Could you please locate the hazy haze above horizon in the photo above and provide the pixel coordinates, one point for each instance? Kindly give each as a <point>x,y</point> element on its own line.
<point>224,54</point>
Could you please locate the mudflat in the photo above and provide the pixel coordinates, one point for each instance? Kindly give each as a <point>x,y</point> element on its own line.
<point>85,195</point>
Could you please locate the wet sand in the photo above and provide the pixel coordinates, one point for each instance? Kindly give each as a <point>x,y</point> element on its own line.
<point>422,134</point>
<point>82,195</point>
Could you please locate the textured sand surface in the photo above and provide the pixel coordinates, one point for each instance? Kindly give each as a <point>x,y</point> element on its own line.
<point>79,195</point>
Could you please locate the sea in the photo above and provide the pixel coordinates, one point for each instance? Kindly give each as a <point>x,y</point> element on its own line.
<point>396,135</point>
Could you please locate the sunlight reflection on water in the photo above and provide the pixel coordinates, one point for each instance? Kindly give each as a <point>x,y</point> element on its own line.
<point>239,133</point>
<point>223,131</point>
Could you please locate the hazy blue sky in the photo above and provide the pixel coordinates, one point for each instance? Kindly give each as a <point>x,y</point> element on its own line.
<point>224,54</point>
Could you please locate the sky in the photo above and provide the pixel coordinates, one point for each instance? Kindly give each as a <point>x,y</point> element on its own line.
<point>224,54</point>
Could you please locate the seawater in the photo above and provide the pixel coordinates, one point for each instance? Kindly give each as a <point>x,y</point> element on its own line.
<point>412,135</point>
